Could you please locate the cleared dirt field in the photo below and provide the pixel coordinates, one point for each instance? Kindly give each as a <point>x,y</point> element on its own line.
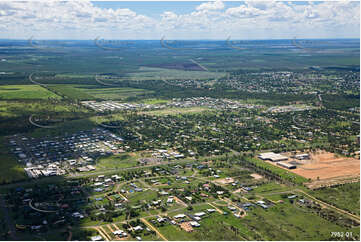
<point>325,169</point>
<point>327,165</point>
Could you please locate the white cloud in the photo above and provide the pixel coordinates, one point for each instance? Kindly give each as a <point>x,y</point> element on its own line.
<point>216,5</point>
<point>251,19</point>
<point>244,11</point>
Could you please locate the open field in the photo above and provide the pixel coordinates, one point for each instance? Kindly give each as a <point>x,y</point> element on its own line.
<point>117,161</point>
<point>346,196</point>
<point>154,101</point>
<point>112,93</point>
<point>69,91</point>
<point>151,73</point>
<point>286,222</point>
<point>25,92</point>
<point>325,168</point>
<point>176,111</point>
<point>327,165</point>
<point>10,170</point>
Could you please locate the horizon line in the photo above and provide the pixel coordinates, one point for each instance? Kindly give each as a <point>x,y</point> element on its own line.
<point>332,38</point>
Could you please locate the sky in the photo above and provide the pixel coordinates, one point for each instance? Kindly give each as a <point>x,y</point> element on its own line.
<point>179,20</point>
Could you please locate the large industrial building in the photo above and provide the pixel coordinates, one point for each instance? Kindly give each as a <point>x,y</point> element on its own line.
<point>272,157</point>
<point>286,165</point>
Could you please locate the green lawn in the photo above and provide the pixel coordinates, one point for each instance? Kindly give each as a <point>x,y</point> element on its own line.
<point>270,188</point>
<point>25,92</point>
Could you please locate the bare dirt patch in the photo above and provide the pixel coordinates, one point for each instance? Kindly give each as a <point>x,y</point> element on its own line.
<point>325,168</point>
<point>186,226</point>
<point>327,165</point>
<point>225,180</point>
<point>256,176</point>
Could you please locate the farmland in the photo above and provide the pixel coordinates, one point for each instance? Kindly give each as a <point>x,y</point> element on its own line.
<point>25,92</point>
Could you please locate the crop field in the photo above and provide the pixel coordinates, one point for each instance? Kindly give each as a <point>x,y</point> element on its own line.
<point>25,92</point>
<point>71,92</point>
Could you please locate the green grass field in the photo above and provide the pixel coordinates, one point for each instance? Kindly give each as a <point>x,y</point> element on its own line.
<point>287,222</point>
<point>111,93</point>
<point>151,73</point>
<point>96,92</point>
<point>345,196</point>
<point>25,92</point>
<point>176,111</point>
<point>10,170</point>
<point>71,92</point>
<point>154,101</point>
<point>117,161</point>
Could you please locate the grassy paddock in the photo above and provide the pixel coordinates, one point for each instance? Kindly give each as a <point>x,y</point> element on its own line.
<point>117,161</point>
<point>345,196</point>
<point>25,92</point>
<point>176,111</point>
<point>71,92</point>
<point>109,93</point>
